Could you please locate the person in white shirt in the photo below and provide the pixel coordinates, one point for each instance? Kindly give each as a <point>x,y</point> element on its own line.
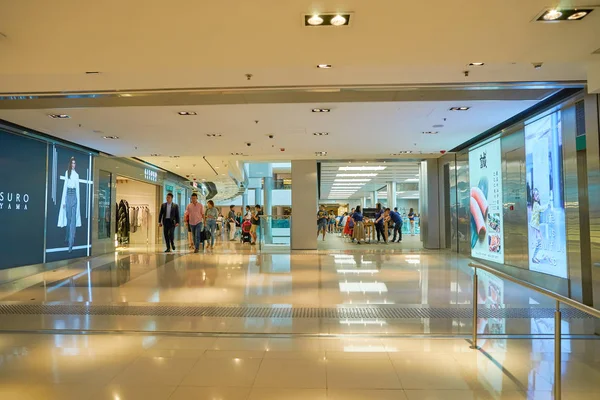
<point>69,215</point>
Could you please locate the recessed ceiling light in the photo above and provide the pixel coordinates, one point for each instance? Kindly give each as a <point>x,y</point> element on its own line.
<point>338,20</point>
<point>430,133</point>
<point>174,156</point>
<point>214,135</point>
<point>187,113</point>
<point>578,15</point>
<point>59,116</point>
<point>315,20</point>
<point>476,64</point>
<point>239,154</point>
<point>402,152</point>
<point>154,155</point>
<point>111,137</point>
<point>463,108</point>
<point>321,134</point>
<point>324,66</point>
<point>552,15</point>
<point>321,110</point>
<point>320,153</point>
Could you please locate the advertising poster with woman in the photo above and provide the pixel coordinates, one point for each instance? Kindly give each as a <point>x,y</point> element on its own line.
<point>69,204</point>
<point>485,202</point>
<point>545,208</point>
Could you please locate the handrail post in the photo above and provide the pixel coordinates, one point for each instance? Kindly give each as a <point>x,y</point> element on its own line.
<point>474,301</point>
<point>557,352</point>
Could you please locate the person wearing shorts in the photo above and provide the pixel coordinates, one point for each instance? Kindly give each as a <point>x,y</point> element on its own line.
<point>321,221</point>
<point>255,223</point>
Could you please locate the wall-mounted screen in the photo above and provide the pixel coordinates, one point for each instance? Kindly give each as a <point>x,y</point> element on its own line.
<point>545,208</point>
<point>485,202</point>
<point>68,233</point>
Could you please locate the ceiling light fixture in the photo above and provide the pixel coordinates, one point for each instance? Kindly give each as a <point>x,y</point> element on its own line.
<point>463,108</point>
<point>430,133</point>
<point>111,137</point>
<point>476,64</point>
<point>187,113</point>
<point>59,116</point>
<point>552,15</point>
<point>174,156</point>
<point>338,20</point>
<point>238,154</point>
<point>321,134</point>
<point>154,155</point>
<point>402,152</point>
<point>320,153</point>
<point>315,20</point>
<point>214,135</point>
<point>578,15</point>
<point>321,110</point>
<point>324,66</point>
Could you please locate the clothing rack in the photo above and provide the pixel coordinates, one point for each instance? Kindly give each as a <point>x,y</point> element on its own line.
<point>131,205</point>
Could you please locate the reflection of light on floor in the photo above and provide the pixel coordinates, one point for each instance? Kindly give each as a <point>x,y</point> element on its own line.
<point>342,256</point>
<point>368,349</point>
<point>357,271</point>
<point>352,262</point>
<point>364,322</point>
<point>411,261</point>
<point>363,287</point>
<point>413,256</point>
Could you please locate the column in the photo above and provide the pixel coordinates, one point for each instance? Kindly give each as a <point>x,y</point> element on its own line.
<point>373,199</point>
<point>391,195</point>
<point>304,205</point>
<point>268,204</point>
<point>430,205</point>
<point>244,202</point>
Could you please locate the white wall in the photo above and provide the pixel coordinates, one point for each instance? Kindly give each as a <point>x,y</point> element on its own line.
<point>136,192</point>
<point>304,205</point>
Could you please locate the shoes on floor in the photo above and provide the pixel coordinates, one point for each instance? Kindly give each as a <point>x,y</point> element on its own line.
<point>167,250</point>
<point>195,250</point>
<point>173,247</point>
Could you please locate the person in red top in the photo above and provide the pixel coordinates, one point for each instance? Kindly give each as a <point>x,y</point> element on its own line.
<point>195,211</point>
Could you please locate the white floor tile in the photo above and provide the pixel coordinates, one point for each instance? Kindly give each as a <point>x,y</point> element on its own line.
<point>292,373</point>
<point>223,372</point>
<point>361,374</point>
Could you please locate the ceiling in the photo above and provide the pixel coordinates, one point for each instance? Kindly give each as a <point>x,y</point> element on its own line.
<point>141,44</point>
<point>373,176</point>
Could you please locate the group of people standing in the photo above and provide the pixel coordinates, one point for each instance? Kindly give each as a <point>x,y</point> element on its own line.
<point>202,223</point>
<point>352,224</point>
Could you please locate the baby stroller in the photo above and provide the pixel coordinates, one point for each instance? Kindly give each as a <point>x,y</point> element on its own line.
<point>246,238</point>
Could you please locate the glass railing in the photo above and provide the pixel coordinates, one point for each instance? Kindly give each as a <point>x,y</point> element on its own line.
<point>275,231</point>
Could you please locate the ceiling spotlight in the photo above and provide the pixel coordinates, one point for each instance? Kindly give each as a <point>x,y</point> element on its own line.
<point>214,135</point>
<point>578,15</point>
<point>321,134</point>
<point>59,116</point>
<point>402,152</point>
<point>430,133</point>
<point>476,64</point>
<point>552,15</point>
<point>111,137</point>
<point>174,156</point>
<point>187,113</point>
<point>154,155</point>
<point>338,20</point>
<point>315,20</point>
<point>320,153</point>
<point>321,110</point>
<point>459,108</point>
<point>324,66</point>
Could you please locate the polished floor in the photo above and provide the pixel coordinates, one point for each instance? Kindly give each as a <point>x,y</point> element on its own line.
<point>156,347</point>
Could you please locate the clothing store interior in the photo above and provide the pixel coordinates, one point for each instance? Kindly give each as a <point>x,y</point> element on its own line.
<point>345,185</point>
<point>137,205</point>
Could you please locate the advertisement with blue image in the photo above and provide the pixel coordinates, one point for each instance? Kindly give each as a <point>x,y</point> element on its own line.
<point>545,207</point>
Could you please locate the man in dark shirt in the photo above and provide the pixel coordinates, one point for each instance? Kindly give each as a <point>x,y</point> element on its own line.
<point>397,220</point>
<point>255,223</point>
<point>168,218</point>
<point>231,220</point>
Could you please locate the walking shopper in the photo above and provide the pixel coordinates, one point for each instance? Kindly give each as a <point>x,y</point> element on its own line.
<point>168,219</point>
<point>397,219</point>
<point>211,222</point>
<point>186,218</point>
<point>196,212</point>
<point>359,227</point>
<point>231,218</point>
<point>255,223</point>
<point>321,221</point>
<point>411,220</point>
<point>379,223</point>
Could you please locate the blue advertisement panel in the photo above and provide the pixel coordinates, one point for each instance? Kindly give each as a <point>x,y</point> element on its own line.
<point>545,207</point>
<point>485,202</point>
<point>68,232</point>
<point>22,200</point>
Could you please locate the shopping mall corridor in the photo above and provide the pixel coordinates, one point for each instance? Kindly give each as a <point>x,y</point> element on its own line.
<point>237,323</point>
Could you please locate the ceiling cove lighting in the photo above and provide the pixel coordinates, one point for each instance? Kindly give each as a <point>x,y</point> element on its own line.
<point>362,168</point>
<point>355,175</point>
<point>59,116</point>
<point>327,19</point>
<point>187,113</point>
<point>321,110</point>
<point>324,66</point>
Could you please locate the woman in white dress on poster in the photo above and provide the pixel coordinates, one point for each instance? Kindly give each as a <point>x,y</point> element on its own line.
<point>70,215</point>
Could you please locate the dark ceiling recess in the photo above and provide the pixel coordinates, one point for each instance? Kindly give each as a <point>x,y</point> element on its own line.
<point>212,190</point>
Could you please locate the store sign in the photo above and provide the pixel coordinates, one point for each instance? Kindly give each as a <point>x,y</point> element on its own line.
<point>545,207</point>
<point>22,200</point>
<point>486,204</point>
<point>150,175</point>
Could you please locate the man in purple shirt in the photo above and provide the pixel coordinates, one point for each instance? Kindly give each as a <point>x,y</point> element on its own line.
<point>196,214</point>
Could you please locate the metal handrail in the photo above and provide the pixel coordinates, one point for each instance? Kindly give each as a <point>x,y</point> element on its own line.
<point>557,315</point>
